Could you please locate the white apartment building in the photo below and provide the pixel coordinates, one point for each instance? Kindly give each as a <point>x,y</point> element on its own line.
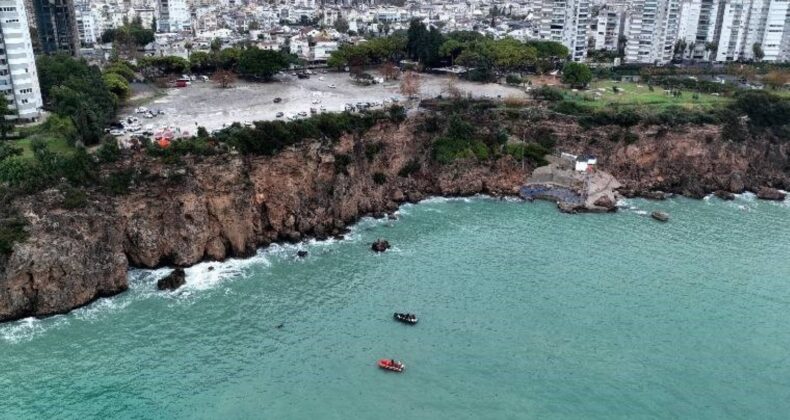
<point>323,49</point>
<point>652,31</point>
<point>566,21</point>
<point>173,16</point>
<point>606,28</point>
<point>776,38</point>
<point>86,26</point>
<point>18,75</point>
<point>689,20</point>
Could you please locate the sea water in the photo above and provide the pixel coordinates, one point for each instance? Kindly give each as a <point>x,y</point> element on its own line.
<point>524,312</point>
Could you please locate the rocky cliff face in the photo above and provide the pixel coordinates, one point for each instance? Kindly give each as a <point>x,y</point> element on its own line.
<point>223,206</point>
<point>690,160</point>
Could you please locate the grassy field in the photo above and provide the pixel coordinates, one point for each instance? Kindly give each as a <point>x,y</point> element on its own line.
<point>601,95</point>
<point>55,145</point>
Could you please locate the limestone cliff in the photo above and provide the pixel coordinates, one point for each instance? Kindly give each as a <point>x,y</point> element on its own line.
<point>221,206</point>
<point>229,205</point>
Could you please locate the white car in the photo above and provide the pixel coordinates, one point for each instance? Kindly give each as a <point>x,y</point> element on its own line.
<point>316,101</point>
<point>332,86</point>
<point>116,132</point>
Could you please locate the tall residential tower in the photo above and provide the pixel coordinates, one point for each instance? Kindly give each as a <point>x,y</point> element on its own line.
<point>18,76</point>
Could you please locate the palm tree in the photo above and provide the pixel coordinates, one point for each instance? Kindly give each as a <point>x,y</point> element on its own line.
<point>188,47</point>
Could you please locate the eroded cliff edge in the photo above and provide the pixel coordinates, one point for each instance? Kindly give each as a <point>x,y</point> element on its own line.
<point>229,205</point>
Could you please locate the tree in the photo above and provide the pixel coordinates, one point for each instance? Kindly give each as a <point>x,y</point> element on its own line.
<point>757,49</point>
<point>410,84</point>
<point>188,46</point>
<point>117,85</point>
<point>776,79</point>
<point>390,71</point>
<point>261,64</point>
<point>6,125</point>
<point>201,62</point>
<point>452,87</point>
<point>341,25</point>
<point>576,75</point>
<point>73,89</point>
<point>224,78</point>
<point>216,45</point>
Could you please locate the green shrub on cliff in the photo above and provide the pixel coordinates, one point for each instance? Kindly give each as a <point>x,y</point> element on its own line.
<point>269,137</point>
<point>12,230</point>
<point>460,141</point>
<point>379,178</point>
<point>411,167</point>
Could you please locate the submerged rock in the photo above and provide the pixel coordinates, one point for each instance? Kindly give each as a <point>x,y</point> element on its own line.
<point>767,193</point>
<point>654,195</point>
<point>173,280</point>
<point>380,245</point>
<point>660,216</point>
<point>301,253</point>
<point>724,195</point>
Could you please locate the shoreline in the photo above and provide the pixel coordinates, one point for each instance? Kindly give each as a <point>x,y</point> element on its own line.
<point>375,216</point>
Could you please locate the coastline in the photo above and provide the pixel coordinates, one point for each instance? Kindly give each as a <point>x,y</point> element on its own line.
<point>226,206</point>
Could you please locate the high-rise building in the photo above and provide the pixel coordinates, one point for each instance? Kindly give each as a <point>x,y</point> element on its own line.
<point>751,25</point>
<point>652,31</point>
<point>18,75</point>
<point>173,16</point>
<point>606,28</point>
<point>56,23</point>
<point>776,38</point>
<point>566,21</point>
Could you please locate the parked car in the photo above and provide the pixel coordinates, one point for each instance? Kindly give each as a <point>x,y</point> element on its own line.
<point>303,114</point>
<point>332,86</point>
<point>279,115</point>
<point>278,100</point>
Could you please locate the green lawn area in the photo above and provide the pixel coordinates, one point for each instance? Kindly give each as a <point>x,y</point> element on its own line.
<point>601,95</point>
<point>58,146</point>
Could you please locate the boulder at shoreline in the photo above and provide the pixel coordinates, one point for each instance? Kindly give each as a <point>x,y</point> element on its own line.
<point>767,193</point>
<point>173,280</point>
<point>724,195</point>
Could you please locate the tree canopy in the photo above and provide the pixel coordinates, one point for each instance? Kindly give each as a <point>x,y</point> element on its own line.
<point>260,64</point>
<point>576,74</point>
<point>73,89</point>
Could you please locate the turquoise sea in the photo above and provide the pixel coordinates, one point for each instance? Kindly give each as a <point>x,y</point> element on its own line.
<point>525,313</point>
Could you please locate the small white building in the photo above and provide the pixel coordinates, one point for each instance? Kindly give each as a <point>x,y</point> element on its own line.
<point>585,162</point>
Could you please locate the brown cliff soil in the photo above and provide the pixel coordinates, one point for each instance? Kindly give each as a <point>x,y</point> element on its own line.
<point>223,206</point>
<point>229,205</point>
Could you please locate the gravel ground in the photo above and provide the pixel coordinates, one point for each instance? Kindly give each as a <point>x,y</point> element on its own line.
<point>204,104</point>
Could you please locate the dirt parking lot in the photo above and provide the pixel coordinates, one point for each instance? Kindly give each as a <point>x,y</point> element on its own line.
<point>204,104</point>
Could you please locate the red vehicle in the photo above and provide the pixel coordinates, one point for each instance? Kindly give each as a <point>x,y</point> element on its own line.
<point>393,365</point>
<point>182,83</point>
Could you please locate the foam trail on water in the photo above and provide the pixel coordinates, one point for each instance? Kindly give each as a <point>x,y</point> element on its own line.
<point>27,329</point>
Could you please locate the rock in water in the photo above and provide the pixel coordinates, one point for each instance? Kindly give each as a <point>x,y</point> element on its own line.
<point>767,193</point>
<point>654,195</point>
<point>301,253</point>
<point>380,245</point>
<point>660,216</point>
<point>724,195</point>
<point>606,202</point>
<point>173,280</point>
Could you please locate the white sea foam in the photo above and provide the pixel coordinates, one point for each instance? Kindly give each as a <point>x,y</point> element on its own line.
<point>27,329</point>
<point>102,307</point>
